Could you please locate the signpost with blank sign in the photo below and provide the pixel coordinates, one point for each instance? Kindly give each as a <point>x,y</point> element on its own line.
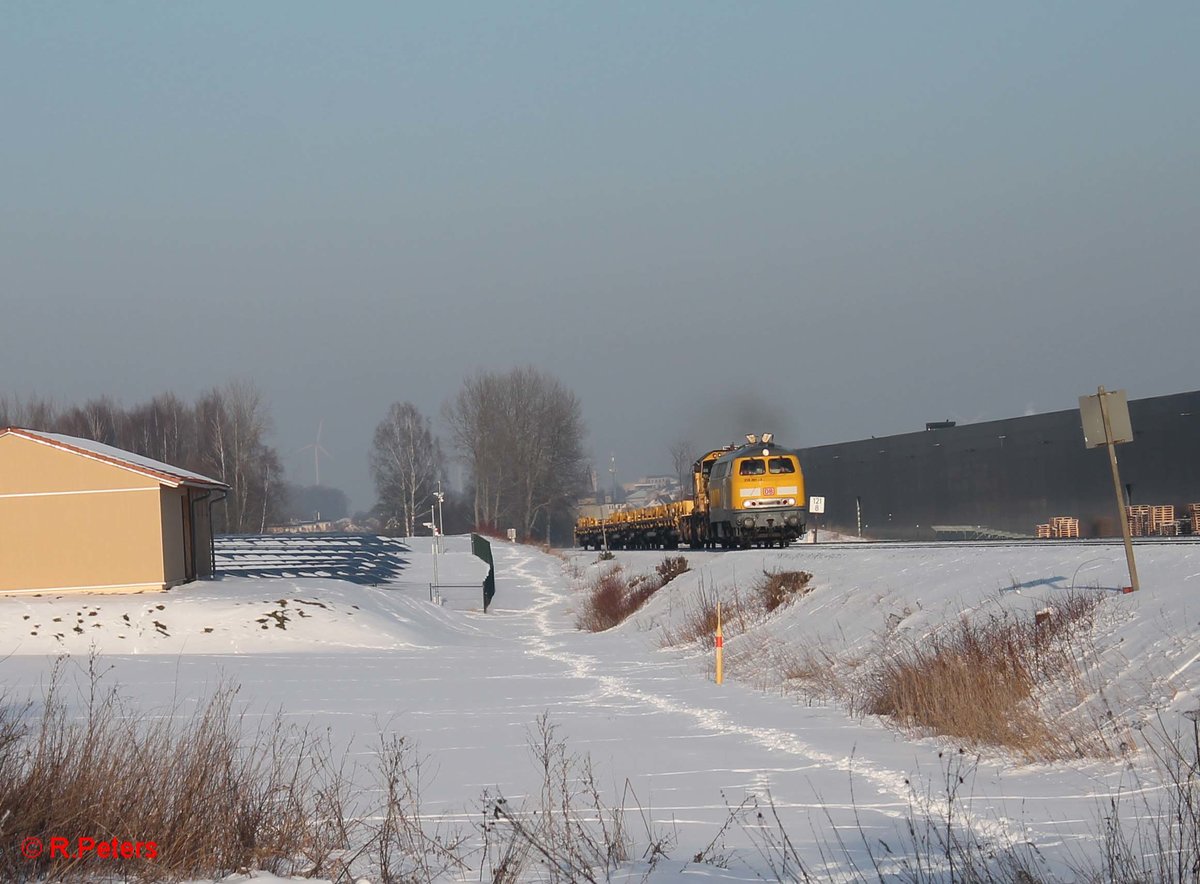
<point>1106,422</point>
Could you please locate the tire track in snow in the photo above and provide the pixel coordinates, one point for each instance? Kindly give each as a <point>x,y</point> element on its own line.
<point>896,787</point>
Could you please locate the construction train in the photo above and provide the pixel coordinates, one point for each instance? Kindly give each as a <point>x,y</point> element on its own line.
<point>742,496</point>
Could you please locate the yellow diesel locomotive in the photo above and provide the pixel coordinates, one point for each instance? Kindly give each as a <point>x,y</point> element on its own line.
<point>741,496</point>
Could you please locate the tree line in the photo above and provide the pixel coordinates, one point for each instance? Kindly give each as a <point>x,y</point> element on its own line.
<point>221,435</point>
<point>518,435</point>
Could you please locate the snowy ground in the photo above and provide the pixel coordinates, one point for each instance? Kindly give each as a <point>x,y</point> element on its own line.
<point>468,687</point>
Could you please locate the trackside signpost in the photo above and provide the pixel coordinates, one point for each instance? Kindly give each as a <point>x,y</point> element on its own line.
<point>483,550</point>
<point>816,506</point>
<point>1106,422</point>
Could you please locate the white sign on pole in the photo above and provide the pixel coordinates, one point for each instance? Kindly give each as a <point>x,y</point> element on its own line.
<point>1092,416</point>
<point>816,504</point>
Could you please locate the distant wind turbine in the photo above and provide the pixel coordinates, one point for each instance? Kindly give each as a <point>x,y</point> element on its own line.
<point>317,451</point>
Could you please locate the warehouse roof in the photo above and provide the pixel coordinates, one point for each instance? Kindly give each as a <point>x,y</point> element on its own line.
<point>127,460</point>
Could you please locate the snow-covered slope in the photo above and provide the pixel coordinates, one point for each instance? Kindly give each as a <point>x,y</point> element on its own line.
<point>467,688</point>
<point>1146,645</point>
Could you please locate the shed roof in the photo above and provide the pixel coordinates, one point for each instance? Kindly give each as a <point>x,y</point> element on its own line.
<point>155,469</point>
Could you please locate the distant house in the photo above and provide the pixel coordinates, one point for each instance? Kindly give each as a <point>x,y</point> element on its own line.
<point>78,516</point>
<point>651,491</point>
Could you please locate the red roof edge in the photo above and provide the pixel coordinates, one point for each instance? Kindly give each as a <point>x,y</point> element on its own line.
<point>169,479</point>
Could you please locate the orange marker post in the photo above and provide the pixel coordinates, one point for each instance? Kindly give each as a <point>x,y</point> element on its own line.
<point>720,649</point>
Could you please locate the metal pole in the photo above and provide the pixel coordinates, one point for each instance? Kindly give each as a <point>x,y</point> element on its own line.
<point>441,530</point>
<point>1112,459</point>
<point>435,549</point>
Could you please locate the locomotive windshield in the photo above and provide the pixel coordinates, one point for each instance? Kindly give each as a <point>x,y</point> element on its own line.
<point>782,465</point>
<point>752,466</point>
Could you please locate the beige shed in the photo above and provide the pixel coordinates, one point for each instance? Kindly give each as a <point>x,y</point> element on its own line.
<point>79,516</point>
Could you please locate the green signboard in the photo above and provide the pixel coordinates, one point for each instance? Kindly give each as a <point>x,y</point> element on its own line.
<point>483,550</point>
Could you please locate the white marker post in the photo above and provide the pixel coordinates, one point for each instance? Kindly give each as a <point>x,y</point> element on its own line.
<point>1106,422</point>
<point>816,506</point>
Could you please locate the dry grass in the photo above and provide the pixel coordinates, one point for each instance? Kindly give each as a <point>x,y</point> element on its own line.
<point>699,622</point>
<point>211,799</point>
<point>568,830</point>
<point>814,673</point>
<point>1153,832</point>
<point>983,681</point>
<point>738,613</point>
<point>612,597</point>
<point>213,795</point>
<point>778,588</point>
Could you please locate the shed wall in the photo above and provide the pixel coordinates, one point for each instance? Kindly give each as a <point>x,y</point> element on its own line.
<point>68,522</point>
<point>108,542</point>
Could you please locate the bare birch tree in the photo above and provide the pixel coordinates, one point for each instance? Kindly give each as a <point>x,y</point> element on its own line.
<point>32,413</point>
<point>683,455</point>
<point>520,434</point>
<point>232,423</point>
<point>406,463</point>
<point>223,435</point>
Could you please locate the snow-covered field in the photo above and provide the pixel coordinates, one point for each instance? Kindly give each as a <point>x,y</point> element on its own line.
<point>468,687</point>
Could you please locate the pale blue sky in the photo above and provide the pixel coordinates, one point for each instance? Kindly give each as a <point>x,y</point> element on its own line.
<point>834,220</point>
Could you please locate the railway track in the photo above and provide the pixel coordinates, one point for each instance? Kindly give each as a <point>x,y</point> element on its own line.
<point>1030,543</point>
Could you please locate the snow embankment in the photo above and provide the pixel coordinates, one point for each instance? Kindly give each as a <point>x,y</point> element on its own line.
<point>1143,654</point>
<point>244,615</point>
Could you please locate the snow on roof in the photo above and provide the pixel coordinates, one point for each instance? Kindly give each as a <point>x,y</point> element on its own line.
<point>155,469</point>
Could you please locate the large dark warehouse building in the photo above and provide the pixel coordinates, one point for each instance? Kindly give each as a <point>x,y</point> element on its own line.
<point>1006,477</point>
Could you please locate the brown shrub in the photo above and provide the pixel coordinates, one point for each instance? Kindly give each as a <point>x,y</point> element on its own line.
<point>982,681</point>
<point>604,606</point>
<point>777,588</point>
<point>670,568</point>
<point>613,597</point>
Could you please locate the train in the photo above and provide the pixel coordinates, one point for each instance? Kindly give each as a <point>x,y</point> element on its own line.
<point>751,494</point>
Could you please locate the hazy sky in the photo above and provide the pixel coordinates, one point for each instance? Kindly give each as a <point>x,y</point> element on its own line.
<point>830,220</point>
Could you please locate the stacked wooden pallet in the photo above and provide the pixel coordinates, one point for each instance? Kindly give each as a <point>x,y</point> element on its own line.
<point>1162,521</point>
<point>1064,526</point>
<point>1194,509</point>
<point>1139,520</point>
<point>1043,530</point>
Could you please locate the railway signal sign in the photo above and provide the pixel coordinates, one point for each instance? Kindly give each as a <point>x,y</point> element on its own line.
<point>816,506</point>
<point>1106,422</point>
